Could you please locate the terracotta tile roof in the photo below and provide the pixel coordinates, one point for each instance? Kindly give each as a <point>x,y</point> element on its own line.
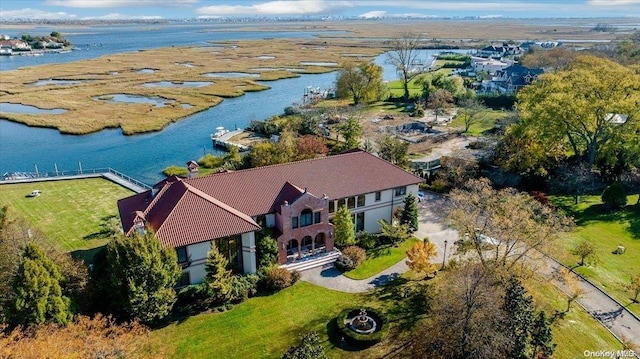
<point>196,210</point>
<point>182,215</point>
<point>256,191</point>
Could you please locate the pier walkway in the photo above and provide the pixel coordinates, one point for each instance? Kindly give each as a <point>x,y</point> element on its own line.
<point>106,173</point>
<point>224,140</point>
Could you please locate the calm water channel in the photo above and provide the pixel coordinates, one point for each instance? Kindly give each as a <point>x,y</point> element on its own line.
<point>144,156</point>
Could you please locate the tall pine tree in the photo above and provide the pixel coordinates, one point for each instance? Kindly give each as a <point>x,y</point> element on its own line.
<point>219,279</point>
<point>141,275</point>
<point>541,337</point>
<point>343,228</point>
<point>519,317</point>
<point>409,214</point>
<point>38,295</point>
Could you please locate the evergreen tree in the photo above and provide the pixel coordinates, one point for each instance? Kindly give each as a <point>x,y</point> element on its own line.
<point>309,348</point>
<point>267,252</point>
<point>542,337</point>
<point>38,295</point>
<point>351,131</point>
<point>518,308</point>
<point>409,214</point>
<point>219,279</point>
<point>140,275</point>
<point>343,228</point>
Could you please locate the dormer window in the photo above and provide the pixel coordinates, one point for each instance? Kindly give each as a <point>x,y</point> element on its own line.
<point>306,217</point>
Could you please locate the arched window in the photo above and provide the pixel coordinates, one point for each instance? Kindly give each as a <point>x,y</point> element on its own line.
<point>306,217</point>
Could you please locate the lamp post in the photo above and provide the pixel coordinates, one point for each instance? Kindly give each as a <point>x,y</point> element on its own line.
<point>444,257</point>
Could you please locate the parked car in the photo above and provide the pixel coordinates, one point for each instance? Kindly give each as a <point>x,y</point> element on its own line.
<point>421,197</point>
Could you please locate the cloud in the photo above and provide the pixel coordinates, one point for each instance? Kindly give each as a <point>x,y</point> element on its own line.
<point>118,3</point>
<point>117,16</point>
<point>613,2</point>
<point>373,14</point>
<point>278,8</point>
<point>34,14</point>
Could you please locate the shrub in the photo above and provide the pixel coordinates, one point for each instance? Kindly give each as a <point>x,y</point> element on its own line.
<point>362,339</point>
<point>344,263</point>
<point>277,278</point>
<point>210,161</point>
<point>356,254</point>
<point>615,196</point>
<point>366,241</point>
<point>176,171</point>
<point>542,198</point>
<point>244,286</point>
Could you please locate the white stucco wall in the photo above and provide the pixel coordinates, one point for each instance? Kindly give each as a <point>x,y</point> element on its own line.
<point>197,253</point>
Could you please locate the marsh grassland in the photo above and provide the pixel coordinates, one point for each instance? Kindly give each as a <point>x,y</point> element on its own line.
<point>89,106</point>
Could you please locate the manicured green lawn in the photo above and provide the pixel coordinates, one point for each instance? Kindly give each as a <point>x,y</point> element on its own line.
<point>487,122</point>
<point>577,331</point>
<point>381,260</point>
<point>605,230</point>
<point>396,89</point>
<point>68,212</point>
<point>261,327</point>
<point>264,327</point>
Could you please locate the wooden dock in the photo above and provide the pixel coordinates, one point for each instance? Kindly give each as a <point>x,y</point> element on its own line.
<point>224,141</point>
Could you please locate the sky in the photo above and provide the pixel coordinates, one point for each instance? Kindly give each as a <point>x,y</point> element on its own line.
<point>168,9</point>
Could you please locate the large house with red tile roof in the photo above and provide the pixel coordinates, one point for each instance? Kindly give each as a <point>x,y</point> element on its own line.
<point>295,200</point>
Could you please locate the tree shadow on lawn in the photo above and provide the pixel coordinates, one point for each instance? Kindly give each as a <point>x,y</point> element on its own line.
<point>603,213</point>
<point>87,255</point>
<point>633,216</point>
<point>405,301</point>
<point>379,251</point>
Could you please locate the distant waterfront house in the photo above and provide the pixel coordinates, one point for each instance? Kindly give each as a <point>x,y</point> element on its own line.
<point>511,79</point>
<point>295,200</point>
<point>490,66</point>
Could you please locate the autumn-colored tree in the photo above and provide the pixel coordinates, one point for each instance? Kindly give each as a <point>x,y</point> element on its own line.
<point>343,228</point>
<point>571,282</point>
<point>586,251</point>
<point>457,168</point>
<point>310,146</point>
<point>518,225</point>
<point>584,110</point>
<point>394,150</point>
<point>360,81</point>
<point>404,57</point>
<point>99,337</point>
<point>440,102</point>
<point>634,286</point>
<point>466,320</point>
<point>419,257</point>
<point>471,112</point>
<point>264,154</point>
<point>555,59</point>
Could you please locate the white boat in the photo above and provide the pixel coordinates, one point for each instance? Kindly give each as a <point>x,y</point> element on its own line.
<point>220,131</point>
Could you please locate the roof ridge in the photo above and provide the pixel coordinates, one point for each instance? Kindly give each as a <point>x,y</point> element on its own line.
<point>221,204</point>
<point>158,195</point>
<point>351,152</point>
